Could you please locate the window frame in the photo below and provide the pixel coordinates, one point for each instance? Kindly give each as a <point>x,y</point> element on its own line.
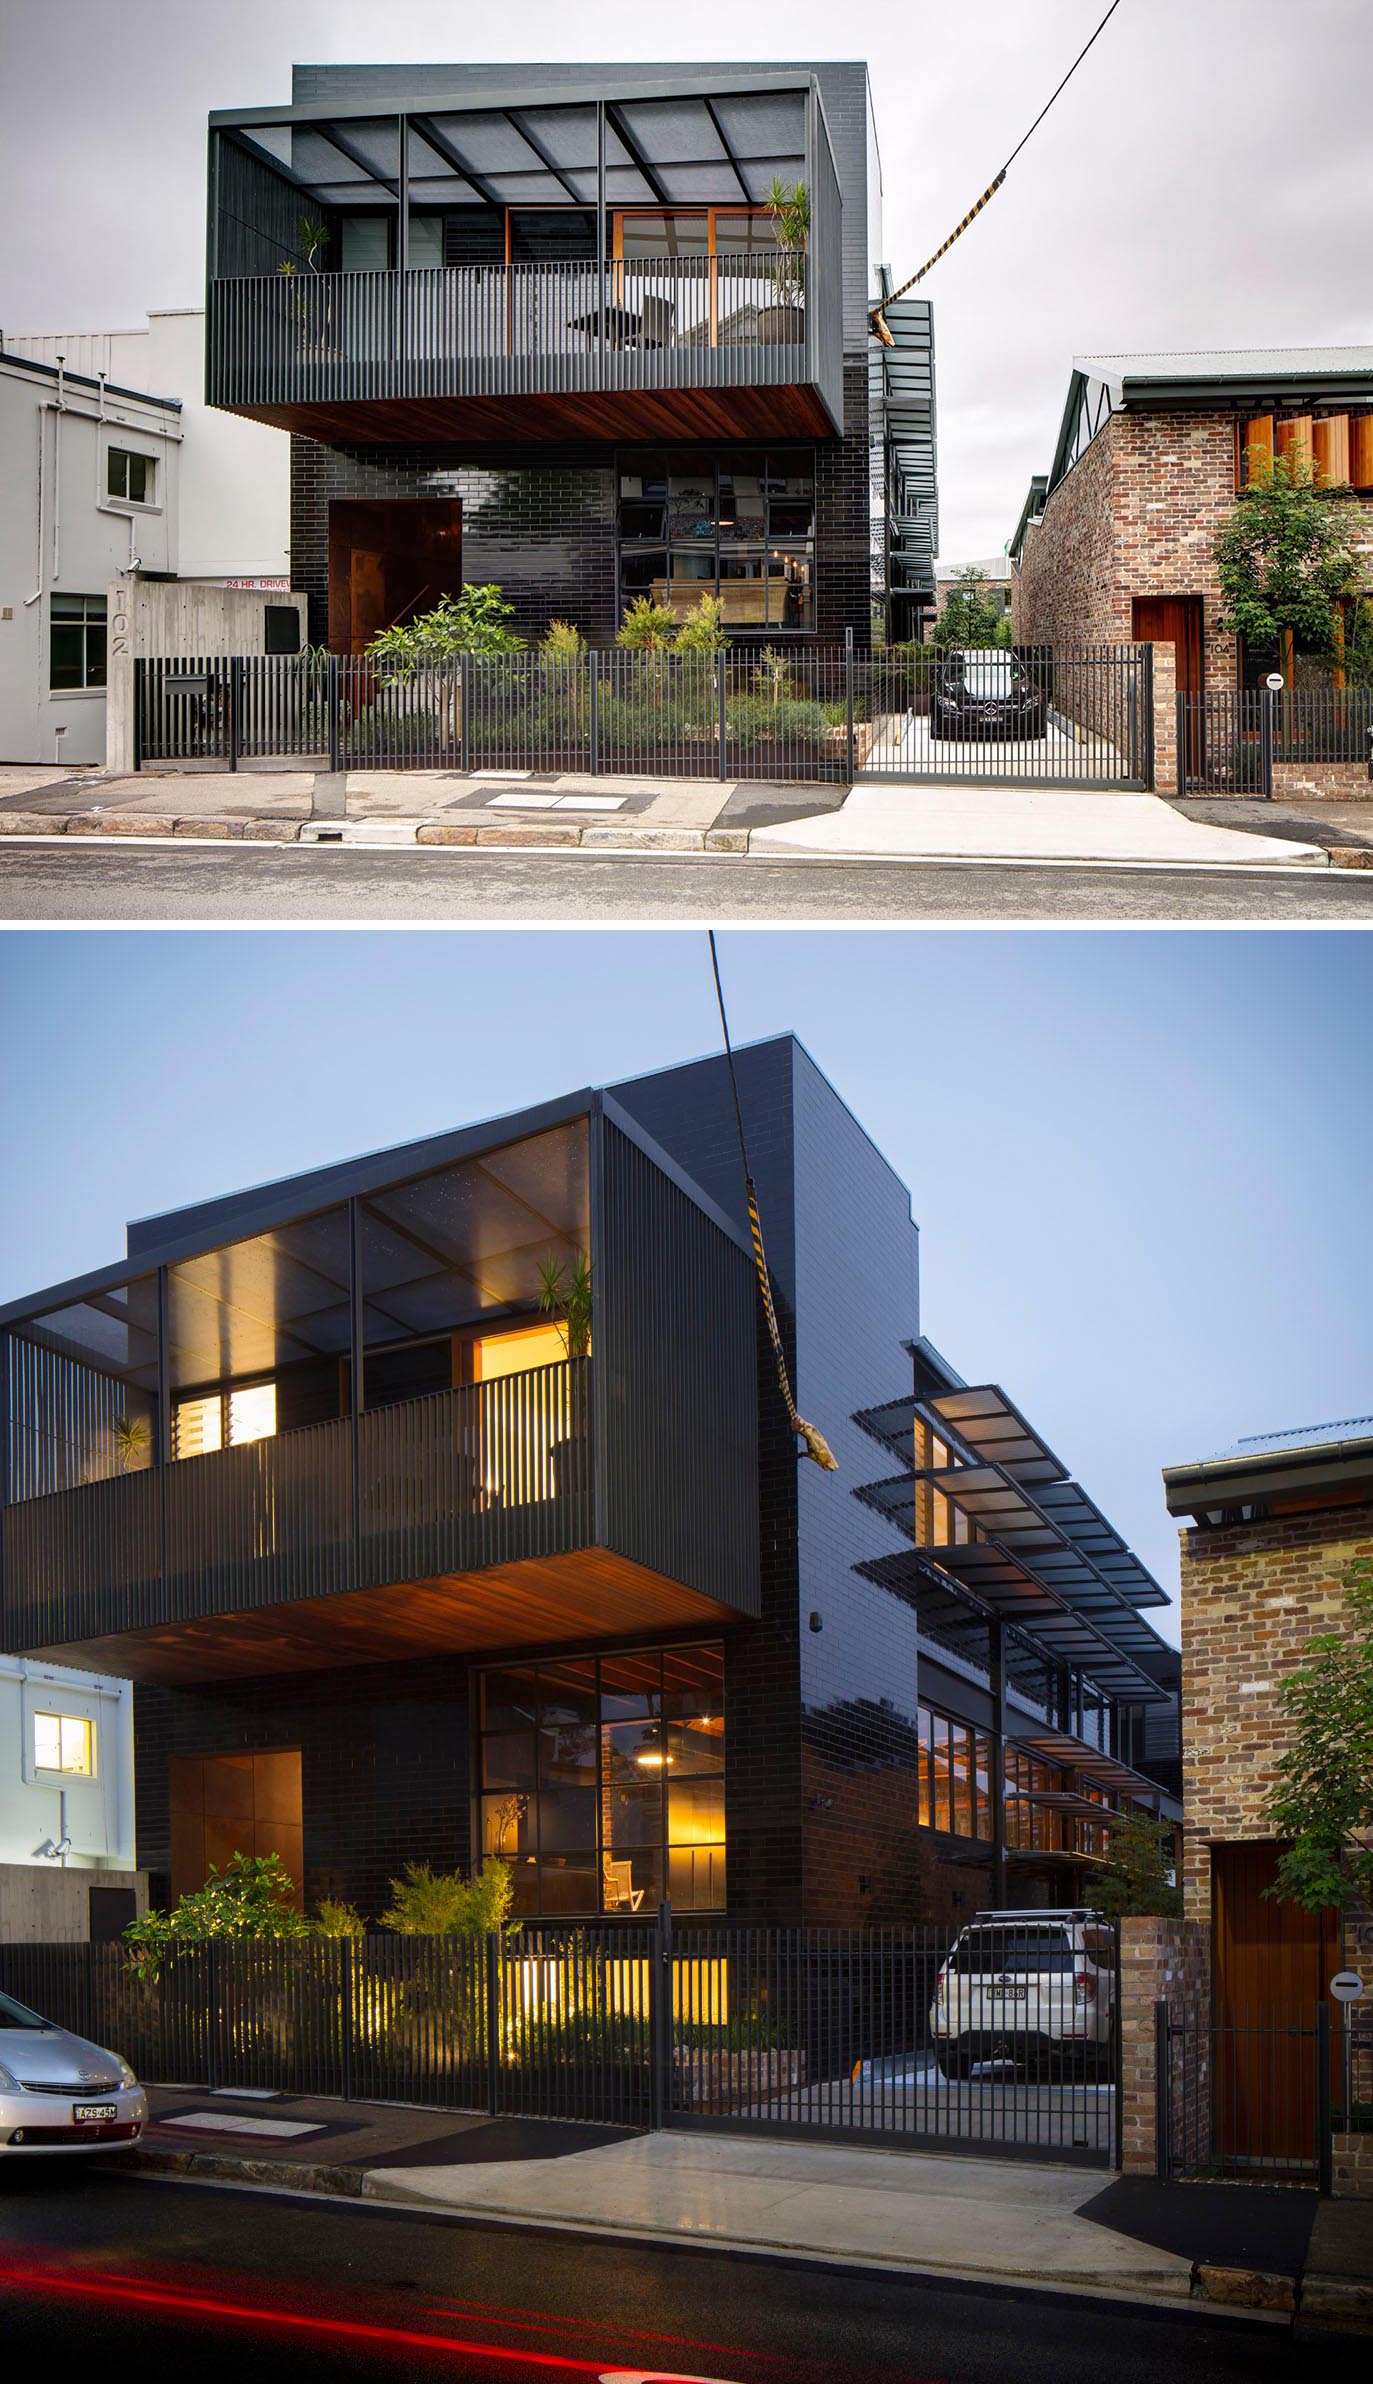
<point>122,498</point>
<point>60,1771</point>
<point>770,549</point>
<point>656,1850</point>
<point>83,622</point>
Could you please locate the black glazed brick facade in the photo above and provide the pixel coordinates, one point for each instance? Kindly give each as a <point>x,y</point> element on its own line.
<point>820,1777</point>
<point>542,523</point>
<point>385,1766</point>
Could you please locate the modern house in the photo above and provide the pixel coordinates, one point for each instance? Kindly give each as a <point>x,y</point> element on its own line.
<point>66,1804</point>
<point>1153,453</point>
<point>409,1564</point>
<point>542,326</point>
<point>1275,1525</point>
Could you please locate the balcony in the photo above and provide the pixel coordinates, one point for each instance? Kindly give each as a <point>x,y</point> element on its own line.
<point>194,1491</point>
<point>588,351</point>
<point>529,269</point>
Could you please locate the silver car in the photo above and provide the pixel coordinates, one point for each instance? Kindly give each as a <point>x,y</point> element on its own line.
<point>60,2094</point>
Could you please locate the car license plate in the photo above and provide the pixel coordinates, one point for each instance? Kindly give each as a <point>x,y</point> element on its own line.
<point>82,2112</point>
<point>1009,1994</point>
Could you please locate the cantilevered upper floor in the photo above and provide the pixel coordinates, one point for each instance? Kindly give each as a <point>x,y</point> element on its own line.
<point>489,1390</point>
<point>525,253</point>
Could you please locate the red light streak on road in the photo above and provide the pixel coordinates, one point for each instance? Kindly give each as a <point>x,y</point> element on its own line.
<point>202,2305</point>
<point>494,2313</point>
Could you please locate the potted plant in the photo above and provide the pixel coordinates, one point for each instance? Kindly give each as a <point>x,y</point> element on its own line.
<point>784,323</point>
<point>565,1295</point>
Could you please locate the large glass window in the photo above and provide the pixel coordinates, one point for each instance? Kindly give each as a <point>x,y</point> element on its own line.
<point>740,527</point>
<point>602,1781</point>
<point>954,1768</point>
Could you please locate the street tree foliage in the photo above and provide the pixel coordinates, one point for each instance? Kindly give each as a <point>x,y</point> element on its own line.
<point>1323,1799</point>
<point>1132,1877</point>
<point>1284,554</point>
<point>969,619</point>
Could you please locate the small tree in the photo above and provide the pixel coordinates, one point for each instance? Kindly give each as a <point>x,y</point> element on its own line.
<point>790,211</point>
<point>647,628</point>
<point>562,642</point>
<point>251,1897</point>
<point>703,630</point>
<point>1132,1876</point>
<point>476,622</point>
<point>1323,1798</point>
<point>430,1903</point>
<point>1284,555</point>
<point>968,619</point>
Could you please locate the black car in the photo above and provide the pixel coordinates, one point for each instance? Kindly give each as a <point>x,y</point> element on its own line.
<point>986,692</point>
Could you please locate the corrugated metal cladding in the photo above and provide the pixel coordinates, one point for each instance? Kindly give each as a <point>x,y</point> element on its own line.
<point>676,1382</point>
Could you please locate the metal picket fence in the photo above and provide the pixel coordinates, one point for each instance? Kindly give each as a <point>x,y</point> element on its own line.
<point>1232,741</point>
<point>816,715</point>
<point>816,2032</point>
<point>1254,2095</point>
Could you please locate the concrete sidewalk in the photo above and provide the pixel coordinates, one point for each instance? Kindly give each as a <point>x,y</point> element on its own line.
<point>514,810</point>
<point>1010,2222</point>
<point>1027,824</point>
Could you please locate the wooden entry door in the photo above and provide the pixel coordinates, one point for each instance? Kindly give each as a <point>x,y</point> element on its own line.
<point>1273,1963</point>
<point>390,558</point>
<point>224,1805</point>
<point>1177,621</point>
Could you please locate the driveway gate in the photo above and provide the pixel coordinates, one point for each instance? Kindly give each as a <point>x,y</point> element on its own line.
<point>1084,718</point>
<point>827,2032</point>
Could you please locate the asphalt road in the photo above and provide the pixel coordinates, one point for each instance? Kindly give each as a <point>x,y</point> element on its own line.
<point>57,880</point>
<point>103,2273</point>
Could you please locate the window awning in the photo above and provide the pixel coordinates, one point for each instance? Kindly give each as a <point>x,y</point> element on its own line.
<point>1055,1746</point>
<point>1005,1588</point>
<point>991,1426</point>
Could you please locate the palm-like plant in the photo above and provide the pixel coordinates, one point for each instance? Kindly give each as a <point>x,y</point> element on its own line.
<point>565,1295</point>
<point>790,211</point>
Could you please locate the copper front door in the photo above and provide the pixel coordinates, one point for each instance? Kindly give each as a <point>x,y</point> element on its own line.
<point>390,558</point>
<point>222,1805</point>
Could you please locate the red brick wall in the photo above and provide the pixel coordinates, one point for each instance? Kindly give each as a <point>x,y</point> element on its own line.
<point>1252,1597</point>
<point>1161,1961</point>
<point>1137,516</point>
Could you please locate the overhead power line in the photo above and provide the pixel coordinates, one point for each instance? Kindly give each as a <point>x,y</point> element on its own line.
<point>877,320</point>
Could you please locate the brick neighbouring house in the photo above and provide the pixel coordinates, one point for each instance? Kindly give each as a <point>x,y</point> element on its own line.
<point>1116,541</point>
<point>1276,1525</point>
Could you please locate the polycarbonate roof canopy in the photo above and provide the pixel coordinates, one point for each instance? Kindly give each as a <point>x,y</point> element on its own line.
<point>440,1250</point>
<point>695,148</point>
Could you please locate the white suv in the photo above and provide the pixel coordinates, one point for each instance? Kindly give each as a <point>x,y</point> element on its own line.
<point>1035,1988</point>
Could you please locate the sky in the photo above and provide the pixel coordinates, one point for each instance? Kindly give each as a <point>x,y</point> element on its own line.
<point>1140,1161</point>
<point>1202,182</point>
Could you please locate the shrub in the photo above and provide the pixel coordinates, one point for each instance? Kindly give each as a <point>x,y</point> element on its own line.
<point>755,719</point>
<point>703,630</point>
<point>337,1919</point>
<point>430,1903</point>
<point>562,642</point>
<point>251,1897</point>
<point>647,627</point>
